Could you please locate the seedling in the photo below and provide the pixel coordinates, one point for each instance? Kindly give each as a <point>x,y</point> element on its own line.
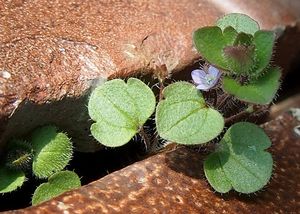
<point>237,55</point>
<point>46,152</point>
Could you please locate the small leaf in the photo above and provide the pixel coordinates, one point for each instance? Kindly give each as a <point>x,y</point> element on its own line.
<point>263,42</point>
<point>259,91</point>
<point>211,41</point>
<point>57,184</point>
<point>240,162</point>
<point>52,151</point>
<point>240,22</point>
<point>184,118</point>
<point>119,110</point>
<point>19,155</point>
<point>10,179</point>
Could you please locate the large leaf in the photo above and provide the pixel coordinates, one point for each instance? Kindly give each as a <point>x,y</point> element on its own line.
<point>240,162</point>
<point>119,110</point>
<point>57,184</point>
<point>52,151</point>
<point>184,118</point>
<point>240,22</point>
<point>260,91</point>
<point>263,42</point>
<point>10,179</point>
<point>211,41</point>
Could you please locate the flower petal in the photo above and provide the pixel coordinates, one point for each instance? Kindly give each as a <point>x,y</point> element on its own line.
<point>198,76</point>
<point>203,87</point>
<point>214,82</point>
<point>214,71</point>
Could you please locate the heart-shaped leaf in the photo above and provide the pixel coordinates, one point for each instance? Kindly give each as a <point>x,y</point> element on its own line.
<point>57,184</point>
<point>240,22</point>
<point>240,162</point>
<point>184,118</point>
<point>10,179</point>
<point>260,91</point>
<point>52,151</point>
<point>263,42</point>
<point>211,41</point>
<point>119,110</point>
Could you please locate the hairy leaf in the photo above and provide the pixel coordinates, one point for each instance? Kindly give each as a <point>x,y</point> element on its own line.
<point>57,184</point>
<point>260,91</point>
<point>119,110</point>
<point>10,179</point>
<point>263,42</point>
<point>240,22</point>
<point>184,118</point>
<point>52,151</point>
<point>240,162</point>
<point>19,155</point>
<point>211,41</point>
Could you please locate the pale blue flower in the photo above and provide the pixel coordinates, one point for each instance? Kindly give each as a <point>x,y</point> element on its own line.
<point>206,80</point>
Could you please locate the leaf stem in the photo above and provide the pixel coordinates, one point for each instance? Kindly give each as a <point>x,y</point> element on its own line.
<point>250,110</point>
<point>161,88</point>
<point>236,117</point>
<point>215,97</point>
<point>145,138</point>
<point>224,97</point>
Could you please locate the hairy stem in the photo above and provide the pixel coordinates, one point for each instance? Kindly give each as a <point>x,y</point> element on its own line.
<point>161,88</point>
<point>145,138</point>
<point>222,100</point>
<point>251,110</point>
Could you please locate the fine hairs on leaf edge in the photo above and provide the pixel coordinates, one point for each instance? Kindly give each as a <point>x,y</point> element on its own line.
<point>62,158</point>
<point>38,197</point>
<point>229,150</point>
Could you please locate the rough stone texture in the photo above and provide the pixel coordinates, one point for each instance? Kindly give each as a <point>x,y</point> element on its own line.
<point>173,182</point>
<point>54,51</point>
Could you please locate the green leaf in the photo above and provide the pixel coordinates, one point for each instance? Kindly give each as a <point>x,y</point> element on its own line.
<point>264,42</point>
<point>19,155</point>
<point>240,22</point>
<point>240,162</point>
<point>57,184</point>
<point>119,110</point>
<point>52,151</point>
<point>260,91</point>
<point>10,179</point>
<point>211,41</point>
<point>184,118</point>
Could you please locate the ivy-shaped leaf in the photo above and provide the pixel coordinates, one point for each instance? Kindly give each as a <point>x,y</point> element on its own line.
<point>211,41</point>
<point>184,118</point>
<point>259,91</point>
<point>240,22</point>
<point>240,162</point>
<point>52,151</point>
<point>10,179</point>
<point>119,110</point>
<point>57,184</point>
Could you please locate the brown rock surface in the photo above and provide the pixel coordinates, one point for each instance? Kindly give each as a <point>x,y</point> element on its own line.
<point>173,182</point>
<point>54,51</point>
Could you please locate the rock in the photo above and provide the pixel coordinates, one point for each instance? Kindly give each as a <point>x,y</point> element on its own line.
<point>173,182</point>
<point>53,52</point>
